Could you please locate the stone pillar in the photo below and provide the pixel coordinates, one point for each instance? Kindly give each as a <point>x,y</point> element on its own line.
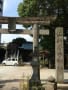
<point>59,54</point>
<point>35,62</point>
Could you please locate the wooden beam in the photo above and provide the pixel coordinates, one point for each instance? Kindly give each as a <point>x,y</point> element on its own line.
<point>21,31</point>
<point>28,20</point>
<point>44,32</point>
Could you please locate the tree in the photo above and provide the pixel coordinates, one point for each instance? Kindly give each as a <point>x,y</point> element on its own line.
<point>58,8</point>
<point>14,45</point>
<point>19,41</point>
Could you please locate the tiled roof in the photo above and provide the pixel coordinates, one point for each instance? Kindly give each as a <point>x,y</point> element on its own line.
<point>27,46</point>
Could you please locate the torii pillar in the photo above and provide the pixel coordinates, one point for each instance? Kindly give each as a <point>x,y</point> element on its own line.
<point>35,79</point>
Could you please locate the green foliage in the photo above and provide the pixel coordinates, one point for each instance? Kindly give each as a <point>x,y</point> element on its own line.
<point>14,45</point>
<point>32,7</point>
<point>48,42</point>
<point>29,8</point>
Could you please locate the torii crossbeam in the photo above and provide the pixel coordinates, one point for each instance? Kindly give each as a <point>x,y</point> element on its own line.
<point>27,20</point>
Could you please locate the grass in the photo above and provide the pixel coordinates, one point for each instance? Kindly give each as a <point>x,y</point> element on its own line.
<point>24,84</point>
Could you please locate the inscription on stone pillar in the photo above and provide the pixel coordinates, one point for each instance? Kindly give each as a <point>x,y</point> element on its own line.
<point>59,54</point>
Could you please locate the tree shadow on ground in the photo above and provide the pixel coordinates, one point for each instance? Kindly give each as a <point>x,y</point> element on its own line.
<point>9,81</point>
<point>3,82</point>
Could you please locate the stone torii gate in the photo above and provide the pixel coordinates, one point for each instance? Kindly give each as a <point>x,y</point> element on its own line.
<point>12,21</point>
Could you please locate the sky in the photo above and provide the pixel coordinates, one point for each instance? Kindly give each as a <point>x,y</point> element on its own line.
<point>10,9</point>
